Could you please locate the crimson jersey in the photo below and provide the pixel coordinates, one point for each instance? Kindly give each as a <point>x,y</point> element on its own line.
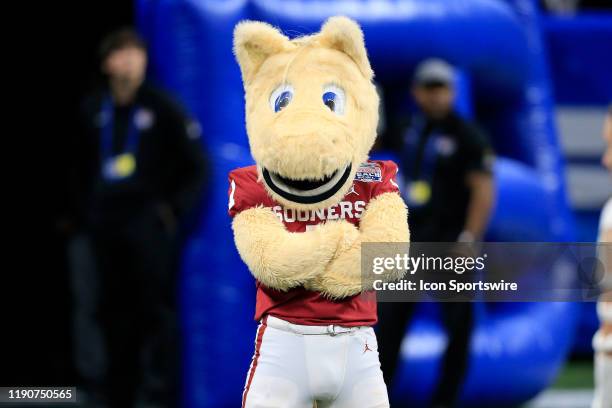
<point>298,305</point>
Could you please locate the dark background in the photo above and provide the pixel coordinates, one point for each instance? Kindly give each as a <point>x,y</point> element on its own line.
<point>53,52</point>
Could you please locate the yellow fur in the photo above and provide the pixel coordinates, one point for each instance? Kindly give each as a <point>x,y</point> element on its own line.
<point>383,221</point>
<point>306,141</point>
<point>281,259</point>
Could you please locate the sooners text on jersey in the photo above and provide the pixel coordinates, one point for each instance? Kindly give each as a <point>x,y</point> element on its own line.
<point>299,305</point>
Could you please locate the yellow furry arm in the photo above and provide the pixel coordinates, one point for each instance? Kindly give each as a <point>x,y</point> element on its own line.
<point>384,220</point>
<point>281,259</point>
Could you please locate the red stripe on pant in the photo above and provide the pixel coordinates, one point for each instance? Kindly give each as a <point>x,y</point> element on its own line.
<point>260,333</point>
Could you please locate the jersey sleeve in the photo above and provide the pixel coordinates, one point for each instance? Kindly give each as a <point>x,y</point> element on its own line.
<point>388,183</point>
<point>242,193</point>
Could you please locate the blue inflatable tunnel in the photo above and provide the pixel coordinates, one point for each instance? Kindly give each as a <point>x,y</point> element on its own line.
<point>518,348</point>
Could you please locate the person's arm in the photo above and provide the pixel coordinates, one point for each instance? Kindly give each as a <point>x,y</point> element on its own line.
<point>606,258</point>
<point>81,167</point>
<point>479,180</point>
<point>385,220</point>
<point>480,205</point>
<point>281,259</point>
<point>605,249</point>
<point>190,163</point>
<point>276,257</point>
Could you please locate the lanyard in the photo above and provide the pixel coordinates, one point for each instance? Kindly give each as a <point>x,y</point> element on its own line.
<point>420,162</point>
<point>121,165</point>
<point>106,136</point>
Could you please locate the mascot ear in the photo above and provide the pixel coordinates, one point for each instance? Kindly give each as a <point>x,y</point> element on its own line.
<point>254,42</point>
<point>345,35</point>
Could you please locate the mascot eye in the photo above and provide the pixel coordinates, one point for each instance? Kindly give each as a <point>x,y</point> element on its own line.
<point>281,97</point>
<point>333,98</point>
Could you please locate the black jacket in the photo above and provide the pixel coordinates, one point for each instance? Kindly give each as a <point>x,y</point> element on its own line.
<point>170,165</point>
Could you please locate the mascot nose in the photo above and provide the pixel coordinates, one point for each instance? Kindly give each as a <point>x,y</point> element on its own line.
<point>313,144</point>
<point>312,124</point>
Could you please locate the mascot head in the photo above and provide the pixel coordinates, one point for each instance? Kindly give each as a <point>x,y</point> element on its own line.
<point>311,109</point>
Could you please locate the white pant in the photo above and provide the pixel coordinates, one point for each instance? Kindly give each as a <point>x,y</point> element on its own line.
<point>603,362</point>
<point>295,365</point>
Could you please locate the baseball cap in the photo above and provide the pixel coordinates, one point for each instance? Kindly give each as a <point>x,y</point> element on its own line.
<point>434,71</point>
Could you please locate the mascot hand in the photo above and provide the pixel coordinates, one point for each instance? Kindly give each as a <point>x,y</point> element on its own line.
<point>281,259</point>
<point>384,220</point>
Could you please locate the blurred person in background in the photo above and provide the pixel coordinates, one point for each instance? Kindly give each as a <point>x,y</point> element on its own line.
<point>139,170</point>
<point>602,342</point>
<point>571,7</point>
<point>447,165</point>
<point>561,6</point>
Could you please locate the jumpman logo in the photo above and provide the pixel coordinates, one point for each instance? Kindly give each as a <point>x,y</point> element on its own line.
<point>352,190</point>
<point>367,348</point>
